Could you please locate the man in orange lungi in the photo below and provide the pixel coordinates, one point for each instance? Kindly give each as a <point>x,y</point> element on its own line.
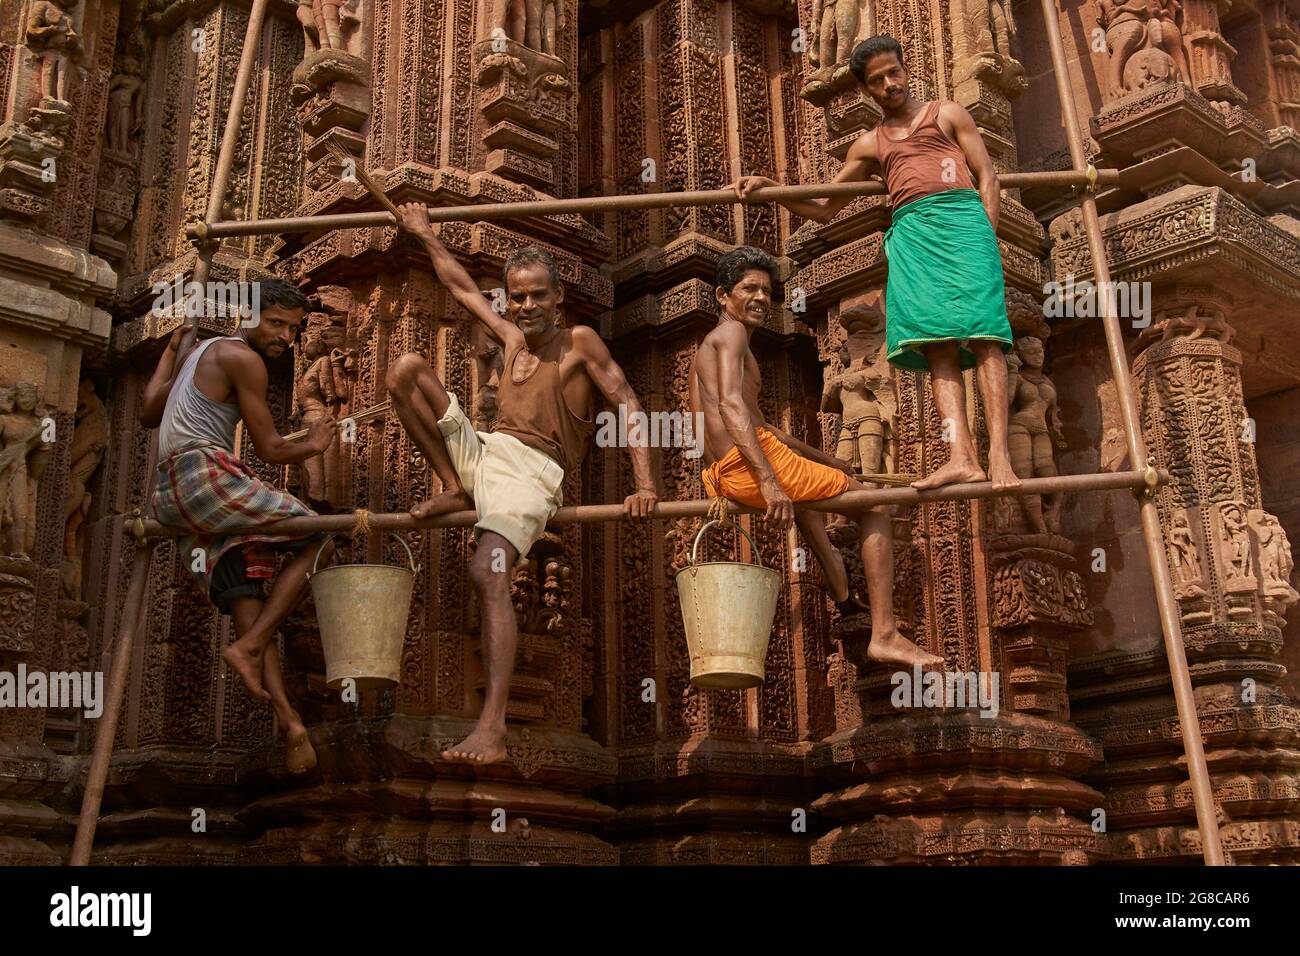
<point>754,463</point>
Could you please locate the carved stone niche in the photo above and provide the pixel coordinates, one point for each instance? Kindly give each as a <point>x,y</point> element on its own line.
<point>523,95</point>
<point>331,88</point>
<point>26,157</point>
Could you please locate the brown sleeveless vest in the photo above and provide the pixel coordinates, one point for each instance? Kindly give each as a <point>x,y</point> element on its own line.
<point>914,166</point>
<point>534,410</point>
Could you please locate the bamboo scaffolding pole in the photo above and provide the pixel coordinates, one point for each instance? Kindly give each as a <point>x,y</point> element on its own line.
<point>360,418</point>
<point>225,160</point>
<point>586,514</point>
<point>211,229</point>
<point>106,733</point>
<point>1170,619</point>
<point>101,755</point>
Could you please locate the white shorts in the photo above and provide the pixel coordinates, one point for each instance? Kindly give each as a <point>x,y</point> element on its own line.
<point>516,489</point>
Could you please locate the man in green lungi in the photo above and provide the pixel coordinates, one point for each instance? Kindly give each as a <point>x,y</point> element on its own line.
<point>945,306</point>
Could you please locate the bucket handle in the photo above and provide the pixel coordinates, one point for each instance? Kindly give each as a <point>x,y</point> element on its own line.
<point>415,568</point>
<point>709,524</point>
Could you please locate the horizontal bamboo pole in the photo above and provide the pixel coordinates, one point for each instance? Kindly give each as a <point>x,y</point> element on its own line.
<point>584,514</point>
<point>360,418</point>
<point>201,231</point>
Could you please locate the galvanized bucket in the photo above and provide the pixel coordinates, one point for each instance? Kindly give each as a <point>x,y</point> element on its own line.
<point>727,608</point>
<point>362,610</point>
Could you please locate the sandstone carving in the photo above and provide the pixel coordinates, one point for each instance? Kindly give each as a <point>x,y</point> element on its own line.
<point>24,454</point>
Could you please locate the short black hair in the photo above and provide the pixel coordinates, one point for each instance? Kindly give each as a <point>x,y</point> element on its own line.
<point>873,46</point>
<point>733,265</point>
<point>530,255</point>
<point>273,291</point>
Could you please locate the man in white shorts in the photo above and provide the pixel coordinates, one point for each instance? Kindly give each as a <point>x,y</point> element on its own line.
<point>512,475</point>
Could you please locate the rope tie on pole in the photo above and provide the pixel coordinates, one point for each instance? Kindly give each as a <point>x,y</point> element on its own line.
<point>1151,476</point>
<point>718,512</point>
<point>362,525</point>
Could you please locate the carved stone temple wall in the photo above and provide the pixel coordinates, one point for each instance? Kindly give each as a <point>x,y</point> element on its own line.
<point>110,119</point>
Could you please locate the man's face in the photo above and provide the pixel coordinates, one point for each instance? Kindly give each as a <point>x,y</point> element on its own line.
<point>276,332</point>
<point>750,299</point>
<point>531,299</point>
<point>886,81</point>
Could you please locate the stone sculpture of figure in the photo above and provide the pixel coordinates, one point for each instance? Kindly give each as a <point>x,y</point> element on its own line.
<point>51,35</point>
<point>1001,28</point>
<point>89,439</point>
<point>1234,529</point>
<point>838,25</point>
<point>1033,430</point>
<point>534,23</point>
<point>1186,564</point>
<point>326,24</point>
<point>1163,33</point>
<point>863,395</point>
<point>1125,24</point>
<point>1275,561</point>
<point>23,457</point>
<point>125,115</point>
<point>318,397</point>
<point>1192,321</point>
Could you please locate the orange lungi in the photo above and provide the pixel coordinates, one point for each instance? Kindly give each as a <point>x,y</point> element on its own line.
<point>803,480</point>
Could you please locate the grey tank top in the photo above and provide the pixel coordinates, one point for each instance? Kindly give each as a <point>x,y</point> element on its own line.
<point>191,419</point>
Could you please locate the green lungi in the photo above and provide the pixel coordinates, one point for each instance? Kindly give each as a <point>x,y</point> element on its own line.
<point>945,278</point>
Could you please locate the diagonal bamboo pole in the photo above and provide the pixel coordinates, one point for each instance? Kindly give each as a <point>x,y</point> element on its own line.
<point>102,753</point>
<point>1170,620</point>
<point>106,732</point>
<point>206,231</point>
<point>225,160</point>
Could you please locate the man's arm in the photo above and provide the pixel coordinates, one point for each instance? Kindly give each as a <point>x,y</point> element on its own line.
<point>415,219</point>
<point>977,158</point>
<point>740,424</point>
<point>247,373</point>
<point>609,378</point>
<point>859,165</point>
<point>154,400</point>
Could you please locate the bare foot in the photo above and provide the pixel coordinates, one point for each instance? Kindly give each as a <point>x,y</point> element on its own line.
<point>1001,474</point>
<point>248,667</point>
<point>894,648</point>
<point>444,503</point>
<point>300,755</point>
<point>955,472</point>
<point>480,747</point>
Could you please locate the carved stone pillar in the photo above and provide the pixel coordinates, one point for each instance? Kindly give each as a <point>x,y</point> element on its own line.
<point>1283,28</point>
<point>998,600</point>
<point>1230,565</point>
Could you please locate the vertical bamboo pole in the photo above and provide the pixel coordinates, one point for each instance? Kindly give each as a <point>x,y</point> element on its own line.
<point>225,159</point>
<point>125,639</point>
<point>123,645</point>
<point>1170,618</point>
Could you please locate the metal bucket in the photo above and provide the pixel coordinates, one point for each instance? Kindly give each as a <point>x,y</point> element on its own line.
<point>362,610</point>
<point>727,608</point>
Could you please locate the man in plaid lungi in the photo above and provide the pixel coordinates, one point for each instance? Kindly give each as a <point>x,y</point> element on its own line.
<point>196,401</point>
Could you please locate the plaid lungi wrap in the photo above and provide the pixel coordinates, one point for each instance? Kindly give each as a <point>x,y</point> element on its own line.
<point>208,490</point>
